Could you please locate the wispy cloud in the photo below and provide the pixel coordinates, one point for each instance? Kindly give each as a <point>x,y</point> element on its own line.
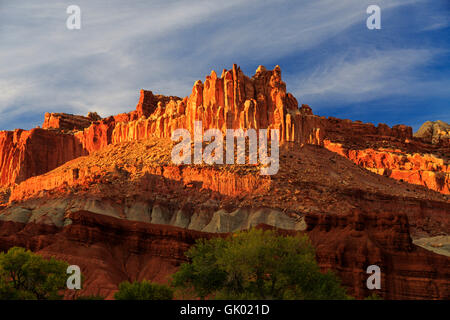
<point>362,78</point>
<point>166,45</point>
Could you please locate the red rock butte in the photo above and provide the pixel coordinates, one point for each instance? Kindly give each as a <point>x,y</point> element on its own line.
<point>228,102</point>
<point>84,186</point>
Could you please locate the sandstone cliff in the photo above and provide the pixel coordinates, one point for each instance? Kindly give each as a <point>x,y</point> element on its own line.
<point>110,250</point>
<point>24,154</point>
<point>392,152</point>
<point>231,101</point>
<point>351,243</point>
<point>68,122</point>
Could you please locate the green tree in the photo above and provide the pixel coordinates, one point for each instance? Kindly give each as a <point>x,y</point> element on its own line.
<point>256,264</point>
<point>26,275</point>
<point>144,290</point>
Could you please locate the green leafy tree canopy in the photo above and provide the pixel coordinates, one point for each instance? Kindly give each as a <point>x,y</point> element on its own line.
<point>26,275</point>
<point>256,264</point>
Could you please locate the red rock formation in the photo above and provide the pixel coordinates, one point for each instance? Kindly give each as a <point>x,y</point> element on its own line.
<point>205,104</point>
<point>237,101</point>
<point>230,102</point>
<point>110,250</point>
<point>4,196</point>
<point>339,129</point>
<point>97,136</point>
<point>25,154</point>
<point>148,102</point>
<point>64,121</point>
<point>392,152</point>
<point>225,183</point>
<point>350,243</point>
<point>311,179</point>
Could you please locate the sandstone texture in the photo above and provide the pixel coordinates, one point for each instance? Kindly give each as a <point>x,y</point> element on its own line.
<point>24,154</point>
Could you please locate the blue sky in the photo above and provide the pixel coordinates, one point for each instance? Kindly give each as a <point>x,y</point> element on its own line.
<point>329,59</point>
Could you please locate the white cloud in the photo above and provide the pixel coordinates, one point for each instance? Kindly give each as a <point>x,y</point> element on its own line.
<point>379,74</point>
<point>162,46</point>
<point>10,91</point>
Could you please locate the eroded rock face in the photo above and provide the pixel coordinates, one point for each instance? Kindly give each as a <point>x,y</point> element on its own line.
<point>351,243</point>
<point>54,212</point>
<point>392,152</point>
<point>437,132</point>
<point>231,101</point>
<point>136,181</point>
<point>428,170</point>
<point>338,129</point>
<point>110,250</point>
<point>24,154</point>
<point>96,136</point>
<point>148,102</point>
<point>70,122</point>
